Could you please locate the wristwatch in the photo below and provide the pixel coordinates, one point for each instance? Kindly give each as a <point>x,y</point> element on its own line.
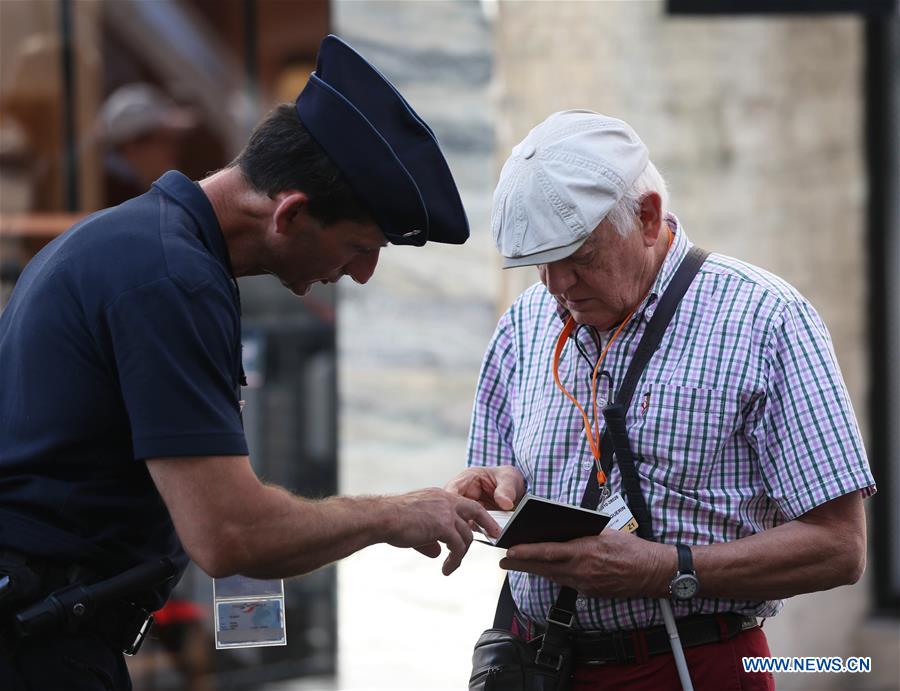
<point>685,584</point>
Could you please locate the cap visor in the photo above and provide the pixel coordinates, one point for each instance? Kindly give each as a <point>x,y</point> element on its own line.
<point>544,257</point>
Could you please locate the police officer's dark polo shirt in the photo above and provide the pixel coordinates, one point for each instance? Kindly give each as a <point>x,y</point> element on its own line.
<point>121,342</point>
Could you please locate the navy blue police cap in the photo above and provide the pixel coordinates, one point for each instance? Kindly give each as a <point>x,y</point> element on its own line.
<point>387,153</point>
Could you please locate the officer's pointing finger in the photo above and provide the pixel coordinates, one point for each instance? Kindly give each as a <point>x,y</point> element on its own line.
<point>473,511</point>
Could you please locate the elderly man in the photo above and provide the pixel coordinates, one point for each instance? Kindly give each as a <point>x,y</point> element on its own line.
<point>121,440</point>
<point>745,442</point>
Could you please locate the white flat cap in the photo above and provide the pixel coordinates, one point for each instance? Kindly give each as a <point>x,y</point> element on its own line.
<point>560,182</point>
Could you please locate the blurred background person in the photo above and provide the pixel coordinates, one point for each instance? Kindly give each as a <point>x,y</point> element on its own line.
<point>142,129</point>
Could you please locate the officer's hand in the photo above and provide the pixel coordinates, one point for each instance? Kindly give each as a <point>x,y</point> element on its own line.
<point>612,564</point>
<point>495,487</point>
<point>425,518</point>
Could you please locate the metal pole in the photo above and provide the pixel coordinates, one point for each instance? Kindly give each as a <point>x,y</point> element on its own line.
<point>70,146</point>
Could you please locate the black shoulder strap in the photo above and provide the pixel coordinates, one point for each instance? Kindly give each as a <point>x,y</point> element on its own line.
<point>649,342</point>
<point>506,607</point>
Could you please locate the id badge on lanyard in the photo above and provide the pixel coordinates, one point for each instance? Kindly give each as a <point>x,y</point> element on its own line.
<point>620,517</point>
<point>249,612</point>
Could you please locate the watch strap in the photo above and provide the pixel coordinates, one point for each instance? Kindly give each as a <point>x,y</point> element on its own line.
<point>685,559</point>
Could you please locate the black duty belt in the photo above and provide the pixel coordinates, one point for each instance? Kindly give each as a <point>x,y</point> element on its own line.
<point>42,599</point>
<point>595,648</point>
<point>123,625</point>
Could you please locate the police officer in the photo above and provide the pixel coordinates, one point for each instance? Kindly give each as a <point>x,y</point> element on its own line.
<point>120,430</point>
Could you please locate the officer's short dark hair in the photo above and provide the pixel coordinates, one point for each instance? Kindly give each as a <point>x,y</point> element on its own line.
<point>281,155</point>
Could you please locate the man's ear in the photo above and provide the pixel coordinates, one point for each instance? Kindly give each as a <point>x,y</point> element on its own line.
<point>650,217</point>
<point>291,206</point>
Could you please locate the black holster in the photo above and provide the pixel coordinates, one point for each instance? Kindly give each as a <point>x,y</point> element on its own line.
<point>104,607</point>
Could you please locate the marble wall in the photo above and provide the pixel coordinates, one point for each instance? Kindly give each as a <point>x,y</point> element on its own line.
<point>410,346</point>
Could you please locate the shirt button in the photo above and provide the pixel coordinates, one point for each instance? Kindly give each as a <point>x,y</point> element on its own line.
<point>580,603</point>
<point>587,465</point>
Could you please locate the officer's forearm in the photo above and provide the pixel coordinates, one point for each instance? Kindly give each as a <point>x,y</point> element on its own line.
<point>286,535</point>
<point>229,522</point>
<point>822,549</point>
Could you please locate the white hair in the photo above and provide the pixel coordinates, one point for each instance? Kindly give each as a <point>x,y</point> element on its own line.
<point>624,215</point>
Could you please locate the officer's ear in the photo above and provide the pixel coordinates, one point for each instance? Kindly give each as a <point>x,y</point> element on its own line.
<point>291,212</point>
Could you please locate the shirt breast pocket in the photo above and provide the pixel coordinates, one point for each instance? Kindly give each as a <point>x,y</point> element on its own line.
<point>679,433</point>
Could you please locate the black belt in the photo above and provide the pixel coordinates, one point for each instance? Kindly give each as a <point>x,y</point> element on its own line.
<point>595,648</point>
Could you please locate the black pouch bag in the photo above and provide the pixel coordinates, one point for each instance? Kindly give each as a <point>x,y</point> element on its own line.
<point>502,661</point>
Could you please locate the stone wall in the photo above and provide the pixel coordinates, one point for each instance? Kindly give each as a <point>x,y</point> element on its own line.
<point>410,345</point>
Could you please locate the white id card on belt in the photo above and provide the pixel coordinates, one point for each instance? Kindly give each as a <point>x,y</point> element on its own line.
<point>249,612</point>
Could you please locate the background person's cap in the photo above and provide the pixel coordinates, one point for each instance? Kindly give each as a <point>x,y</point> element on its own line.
<point>137,109</point>
<point>389,156</point>
<point>560,182</point>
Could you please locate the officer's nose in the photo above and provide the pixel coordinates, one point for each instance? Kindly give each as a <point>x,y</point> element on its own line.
<point>362,267</point>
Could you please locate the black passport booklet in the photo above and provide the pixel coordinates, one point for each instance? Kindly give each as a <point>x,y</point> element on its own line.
<point>541,520</point>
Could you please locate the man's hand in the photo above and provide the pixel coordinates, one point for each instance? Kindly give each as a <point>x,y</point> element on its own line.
<point>495,487</point>
<point>425,518</point>
<point>612,564</point>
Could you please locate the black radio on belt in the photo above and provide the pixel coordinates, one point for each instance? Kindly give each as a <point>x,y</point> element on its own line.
<point>67,609</point>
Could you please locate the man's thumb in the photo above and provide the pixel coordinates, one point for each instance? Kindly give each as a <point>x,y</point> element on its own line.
<point>503,498</point>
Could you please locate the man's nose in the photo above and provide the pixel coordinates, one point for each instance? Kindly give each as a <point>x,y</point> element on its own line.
<point>557,277</point>
<point>362,267</point>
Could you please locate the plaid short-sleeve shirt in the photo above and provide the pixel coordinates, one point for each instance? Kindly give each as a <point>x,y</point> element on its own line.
<point>740,422</point>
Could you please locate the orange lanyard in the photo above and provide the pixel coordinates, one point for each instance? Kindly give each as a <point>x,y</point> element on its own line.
<point>591,431</point>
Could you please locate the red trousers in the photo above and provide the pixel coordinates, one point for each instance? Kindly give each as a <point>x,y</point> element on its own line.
<point>713,667</point>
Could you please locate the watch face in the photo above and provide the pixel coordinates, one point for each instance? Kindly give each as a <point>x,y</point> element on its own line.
<point>684,586</point>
